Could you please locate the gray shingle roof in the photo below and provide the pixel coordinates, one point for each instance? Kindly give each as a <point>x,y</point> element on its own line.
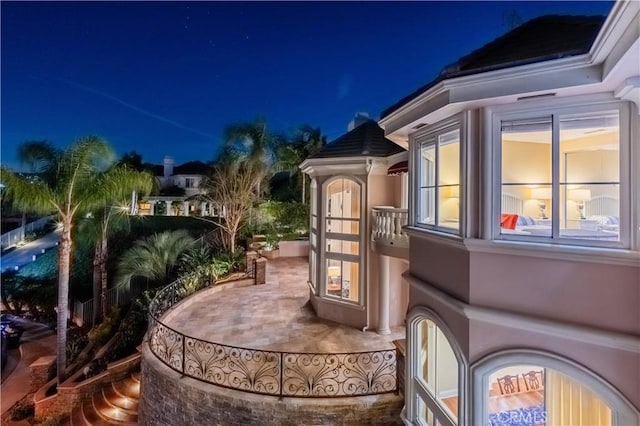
<point>541,39</point>
<point>365,140</point>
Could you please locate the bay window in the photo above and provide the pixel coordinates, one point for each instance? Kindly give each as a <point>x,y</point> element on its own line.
<point>561,175</point>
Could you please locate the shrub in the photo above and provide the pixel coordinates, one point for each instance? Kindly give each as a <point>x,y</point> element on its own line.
<point>77,340</point>
<point>101,333</point>
<point>23,409</point>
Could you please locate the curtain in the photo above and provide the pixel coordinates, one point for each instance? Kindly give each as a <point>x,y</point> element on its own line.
<point>568,403</point>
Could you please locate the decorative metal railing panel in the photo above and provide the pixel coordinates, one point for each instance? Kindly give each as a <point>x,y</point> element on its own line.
<point>346,374</point>
<point>283,374</point>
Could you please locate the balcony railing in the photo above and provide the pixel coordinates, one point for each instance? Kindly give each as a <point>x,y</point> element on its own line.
<point>281,374</point>
<point>387,226</point>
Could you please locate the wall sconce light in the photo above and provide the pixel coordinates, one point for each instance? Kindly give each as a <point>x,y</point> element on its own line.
<point>542,195</point>
<point>580,196</point>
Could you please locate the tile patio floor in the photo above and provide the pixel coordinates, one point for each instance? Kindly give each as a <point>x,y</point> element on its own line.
<point>275,316</point>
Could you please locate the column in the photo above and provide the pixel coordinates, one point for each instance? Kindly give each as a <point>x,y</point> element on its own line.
<point>152,207</point>
<point>383,296</point>
<point>185,208</point>
<point>168,212</point>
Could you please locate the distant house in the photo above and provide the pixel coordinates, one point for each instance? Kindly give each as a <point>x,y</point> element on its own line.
<point>179,188</point>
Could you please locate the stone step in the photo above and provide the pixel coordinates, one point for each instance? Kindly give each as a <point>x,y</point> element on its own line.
<point>90,416</point>
<point>128,387</point>
<point>111,396</point>
<point>110,414</point>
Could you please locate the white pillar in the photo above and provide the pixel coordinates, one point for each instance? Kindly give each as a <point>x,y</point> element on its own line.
<point>185,207</point>
<point>168,212</point>
<point>152,207</point>
<point>383,296</point>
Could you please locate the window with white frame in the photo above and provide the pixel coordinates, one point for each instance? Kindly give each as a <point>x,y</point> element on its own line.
<point>342,200</point>
<point>435,380</point>
<point>561,175</point>
<point>437,203</point>
<point>313,234</point>
<point>189,182</point>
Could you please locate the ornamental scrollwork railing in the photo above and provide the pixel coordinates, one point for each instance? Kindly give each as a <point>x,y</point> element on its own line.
<point>282,374</point>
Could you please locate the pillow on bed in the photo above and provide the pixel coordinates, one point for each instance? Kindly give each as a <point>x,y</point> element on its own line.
<point>605,220</point>
<point>508,221</point>
<point>526,221</point>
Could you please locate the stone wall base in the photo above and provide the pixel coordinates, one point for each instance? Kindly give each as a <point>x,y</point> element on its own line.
<point>167,398</point>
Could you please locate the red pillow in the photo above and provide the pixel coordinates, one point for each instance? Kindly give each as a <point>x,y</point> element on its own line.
<point>508,221</point>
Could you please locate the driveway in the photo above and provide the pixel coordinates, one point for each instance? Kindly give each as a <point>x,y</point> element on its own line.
<point>24,255</point>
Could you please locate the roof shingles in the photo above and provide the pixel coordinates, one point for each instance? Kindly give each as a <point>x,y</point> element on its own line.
<point>541,39</point>
<point>365,140</point>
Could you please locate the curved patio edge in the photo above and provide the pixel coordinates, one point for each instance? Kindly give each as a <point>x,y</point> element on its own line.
<point>167,397</point>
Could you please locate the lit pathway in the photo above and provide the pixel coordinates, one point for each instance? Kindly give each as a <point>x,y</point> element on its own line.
<point>274,316</point>
<point>21,256</point>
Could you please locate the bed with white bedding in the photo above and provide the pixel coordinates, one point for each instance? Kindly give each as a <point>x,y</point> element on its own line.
<point>602,221</point>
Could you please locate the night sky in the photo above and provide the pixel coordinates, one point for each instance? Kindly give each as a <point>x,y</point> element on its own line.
<point>164,78</point>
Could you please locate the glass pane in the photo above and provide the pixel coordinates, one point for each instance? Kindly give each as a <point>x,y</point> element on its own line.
<point>428,165</point>
<point>343,199</point>
<point>526,203</point>
<point>590,176</point>
<point>449,158</point>
<point>314,221</point>
<point>438,367</point>
<point>449,206</point>
<point>341,246</point>
<point>313,259</point>
<point>427,212</point>
<point>343,279</point>
<point>313,239</point>
<point>424,414</point>
<point>533,395</point>
<point>343,226</point>
<point>526,210</point>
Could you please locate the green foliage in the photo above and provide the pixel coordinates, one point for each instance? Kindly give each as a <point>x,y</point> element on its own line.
<point>23,409</point>
<point>77,340</point>
<point>100,334</point>
<point>280,221</point>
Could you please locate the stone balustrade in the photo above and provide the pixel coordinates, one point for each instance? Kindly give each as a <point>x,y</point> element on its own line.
<point>388,223</point>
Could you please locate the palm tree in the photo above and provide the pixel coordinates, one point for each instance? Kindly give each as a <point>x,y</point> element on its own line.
<point>116,186</point>
<point>306,141</point>
<point>250,143</point>
<point>69,186</point>
<point>154,258</point>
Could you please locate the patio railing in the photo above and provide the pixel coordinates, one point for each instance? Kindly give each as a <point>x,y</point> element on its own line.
<point>282,374</point>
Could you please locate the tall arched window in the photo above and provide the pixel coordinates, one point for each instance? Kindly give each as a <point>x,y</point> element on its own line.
<point>342,203</point>
<point>434,375</point>
<point>535,389</point>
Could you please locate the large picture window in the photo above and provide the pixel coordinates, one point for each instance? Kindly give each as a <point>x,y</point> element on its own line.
<point>342,239</point>
<point>561,176</point>
<point>438,203</point>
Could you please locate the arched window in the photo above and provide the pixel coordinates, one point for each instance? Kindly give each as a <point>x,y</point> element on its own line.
<point>535,389</point>
<point>435,374</point>
<point>342,204</point>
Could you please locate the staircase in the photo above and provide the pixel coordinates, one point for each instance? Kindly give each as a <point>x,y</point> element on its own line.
<point>116,404</point>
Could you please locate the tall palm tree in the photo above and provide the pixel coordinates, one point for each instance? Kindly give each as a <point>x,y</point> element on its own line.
<point>155,257</point>
<point>250,143</point>
<point>116,186</point>
<point>306,141</point>
<point>68,185</point>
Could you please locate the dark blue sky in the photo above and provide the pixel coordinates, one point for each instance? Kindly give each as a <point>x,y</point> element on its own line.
<point>164,78</point>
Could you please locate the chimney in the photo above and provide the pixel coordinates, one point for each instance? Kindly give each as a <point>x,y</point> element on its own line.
<point>358,119</point>
<point>168,166</point>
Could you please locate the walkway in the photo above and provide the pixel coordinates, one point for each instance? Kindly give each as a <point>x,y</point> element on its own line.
<point>21,256</point>
<point>275,316</point>
<point>37,340</point>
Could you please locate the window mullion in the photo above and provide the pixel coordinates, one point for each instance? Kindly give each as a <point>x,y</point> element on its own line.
<point>555,176</point>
